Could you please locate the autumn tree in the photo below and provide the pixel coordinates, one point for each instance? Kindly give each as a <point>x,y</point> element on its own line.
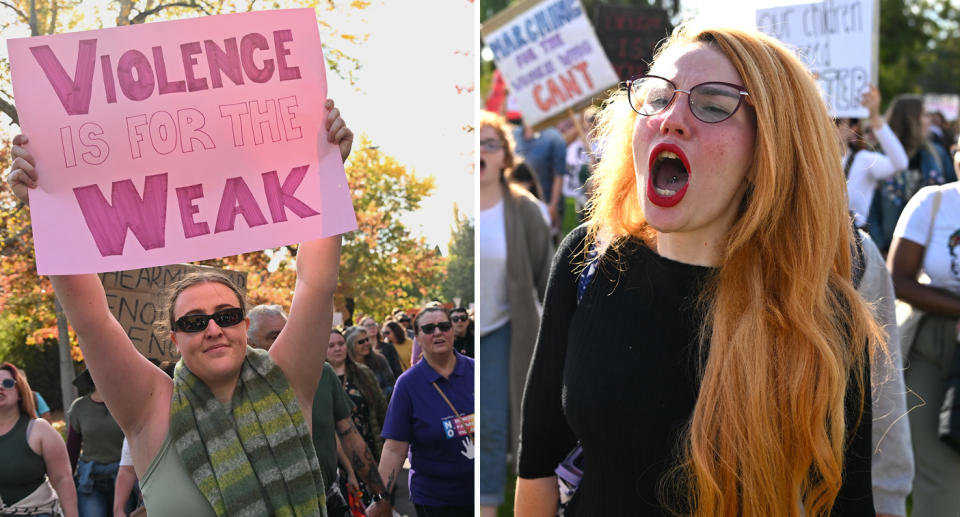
<point>382,264</point>
<point>459,283</point>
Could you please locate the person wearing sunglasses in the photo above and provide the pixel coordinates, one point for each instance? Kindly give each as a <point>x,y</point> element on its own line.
<point>514,248</point>
<point>383,345</point>
<point>701,338</point>
<point>360,349</point>
<point>360,383</point>
<point>200,428</point>
<point>430,417</point>
<point>31,453</point>
<point>462,331</point>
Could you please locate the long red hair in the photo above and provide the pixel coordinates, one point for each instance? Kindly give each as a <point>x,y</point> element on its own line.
<point>785,327</point>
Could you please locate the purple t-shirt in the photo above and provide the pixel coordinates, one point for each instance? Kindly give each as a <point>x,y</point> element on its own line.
<point>441,473</point>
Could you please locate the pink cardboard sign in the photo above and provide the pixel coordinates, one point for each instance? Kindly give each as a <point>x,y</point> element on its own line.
<point>178,141</point>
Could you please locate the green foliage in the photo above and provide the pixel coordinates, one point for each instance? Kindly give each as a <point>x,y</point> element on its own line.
<point>382,265</point>
<point>919,48</point>
<point>460,270</point>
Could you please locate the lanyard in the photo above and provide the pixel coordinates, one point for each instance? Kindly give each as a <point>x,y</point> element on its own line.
<point>442,394</point>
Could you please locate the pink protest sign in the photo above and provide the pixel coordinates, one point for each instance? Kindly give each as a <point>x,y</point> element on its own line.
<point>178,141</point>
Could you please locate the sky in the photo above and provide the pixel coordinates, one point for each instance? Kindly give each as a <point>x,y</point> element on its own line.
<point>413,95</point>
<point>409,103</point>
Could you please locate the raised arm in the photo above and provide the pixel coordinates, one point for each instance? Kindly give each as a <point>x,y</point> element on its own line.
<point>896,158</point>
<point>132,388</point>
<point>298,350</point>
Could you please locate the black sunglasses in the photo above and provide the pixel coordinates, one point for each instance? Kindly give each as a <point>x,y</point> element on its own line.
<point>428,329</point>
<point>198,322</point>
<point>457,319</point>
<point>363,341</point>
<point>8,383</point>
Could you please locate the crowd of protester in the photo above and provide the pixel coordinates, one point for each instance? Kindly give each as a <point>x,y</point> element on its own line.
<point>93,472</point>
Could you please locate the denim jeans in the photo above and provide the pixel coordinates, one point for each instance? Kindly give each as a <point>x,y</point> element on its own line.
<point>100,502</point>
<point>494,414</point>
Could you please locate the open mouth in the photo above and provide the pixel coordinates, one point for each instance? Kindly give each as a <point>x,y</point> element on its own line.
<point>668,176</point>
<point>483,164</point>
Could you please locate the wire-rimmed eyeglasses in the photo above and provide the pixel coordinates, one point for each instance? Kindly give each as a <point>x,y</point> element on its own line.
<point>710,102</point>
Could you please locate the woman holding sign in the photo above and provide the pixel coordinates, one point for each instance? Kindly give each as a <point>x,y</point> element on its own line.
<point>701,338</point>
<point>224,394</point>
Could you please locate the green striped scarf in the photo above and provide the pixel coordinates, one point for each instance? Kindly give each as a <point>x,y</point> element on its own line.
<point>254,459</point>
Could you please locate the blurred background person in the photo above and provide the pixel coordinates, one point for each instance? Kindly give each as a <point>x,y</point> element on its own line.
<point>94,441</point>
<point>266,322</point>
<point>546,152</point>
<point>514,257</point>
<point>360,384</point>
<point>462,331</point>
<point>383,345</point>
<point>360,349</point>
<point>523,175</point>
<point>31,452</point>
<point>927,240</point>
<point>397,336</point>
<point>864,169</point>
<point>927,164</point>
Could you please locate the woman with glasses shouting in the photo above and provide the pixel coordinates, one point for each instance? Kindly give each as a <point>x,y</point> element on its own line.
<point>431,418</point>
<point>701,338</point>
<point>230,434</point>
<point>514,250</point>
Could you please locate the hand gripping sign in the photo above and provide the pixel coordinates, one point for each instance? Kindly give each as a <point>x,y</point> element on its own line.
<point>178,141</point>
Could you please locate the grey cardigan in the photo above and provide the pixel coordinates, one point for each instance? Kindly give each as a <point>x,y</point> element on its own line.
<point>892,462</point>
<point>529,253</point>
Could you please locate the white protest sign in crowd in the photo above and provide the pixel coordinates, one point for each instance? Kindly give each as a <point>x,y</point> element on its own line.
<point>178,141</point>
<point>946,104</point>
<point>549,56</point>
<point>835,39</point>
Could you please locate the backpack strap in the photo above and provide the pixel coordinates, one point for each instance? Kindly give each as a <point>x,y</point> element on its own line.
<point>846,166</point>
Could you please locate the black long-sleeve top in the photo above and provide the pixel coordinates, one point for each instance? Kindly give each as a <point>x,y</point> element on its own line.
<point>618,372</point>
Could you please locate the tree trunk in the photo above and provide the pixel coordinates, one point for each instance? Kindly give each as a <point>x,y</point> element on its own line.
<point>66,360</point>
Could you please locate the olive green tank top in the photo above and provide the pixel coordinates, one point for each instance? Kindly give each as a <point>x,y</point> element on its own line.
<point>168,488</point>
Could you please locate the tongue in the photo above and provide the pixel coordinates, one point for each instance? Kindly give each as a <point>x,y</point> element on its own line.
<point>670,175</point>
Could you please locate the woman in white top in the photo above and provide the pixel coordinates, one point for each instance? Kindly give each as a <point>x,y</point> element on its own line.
<point>513,240</point>
<point>929,240</point>
<point>865,168</point>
